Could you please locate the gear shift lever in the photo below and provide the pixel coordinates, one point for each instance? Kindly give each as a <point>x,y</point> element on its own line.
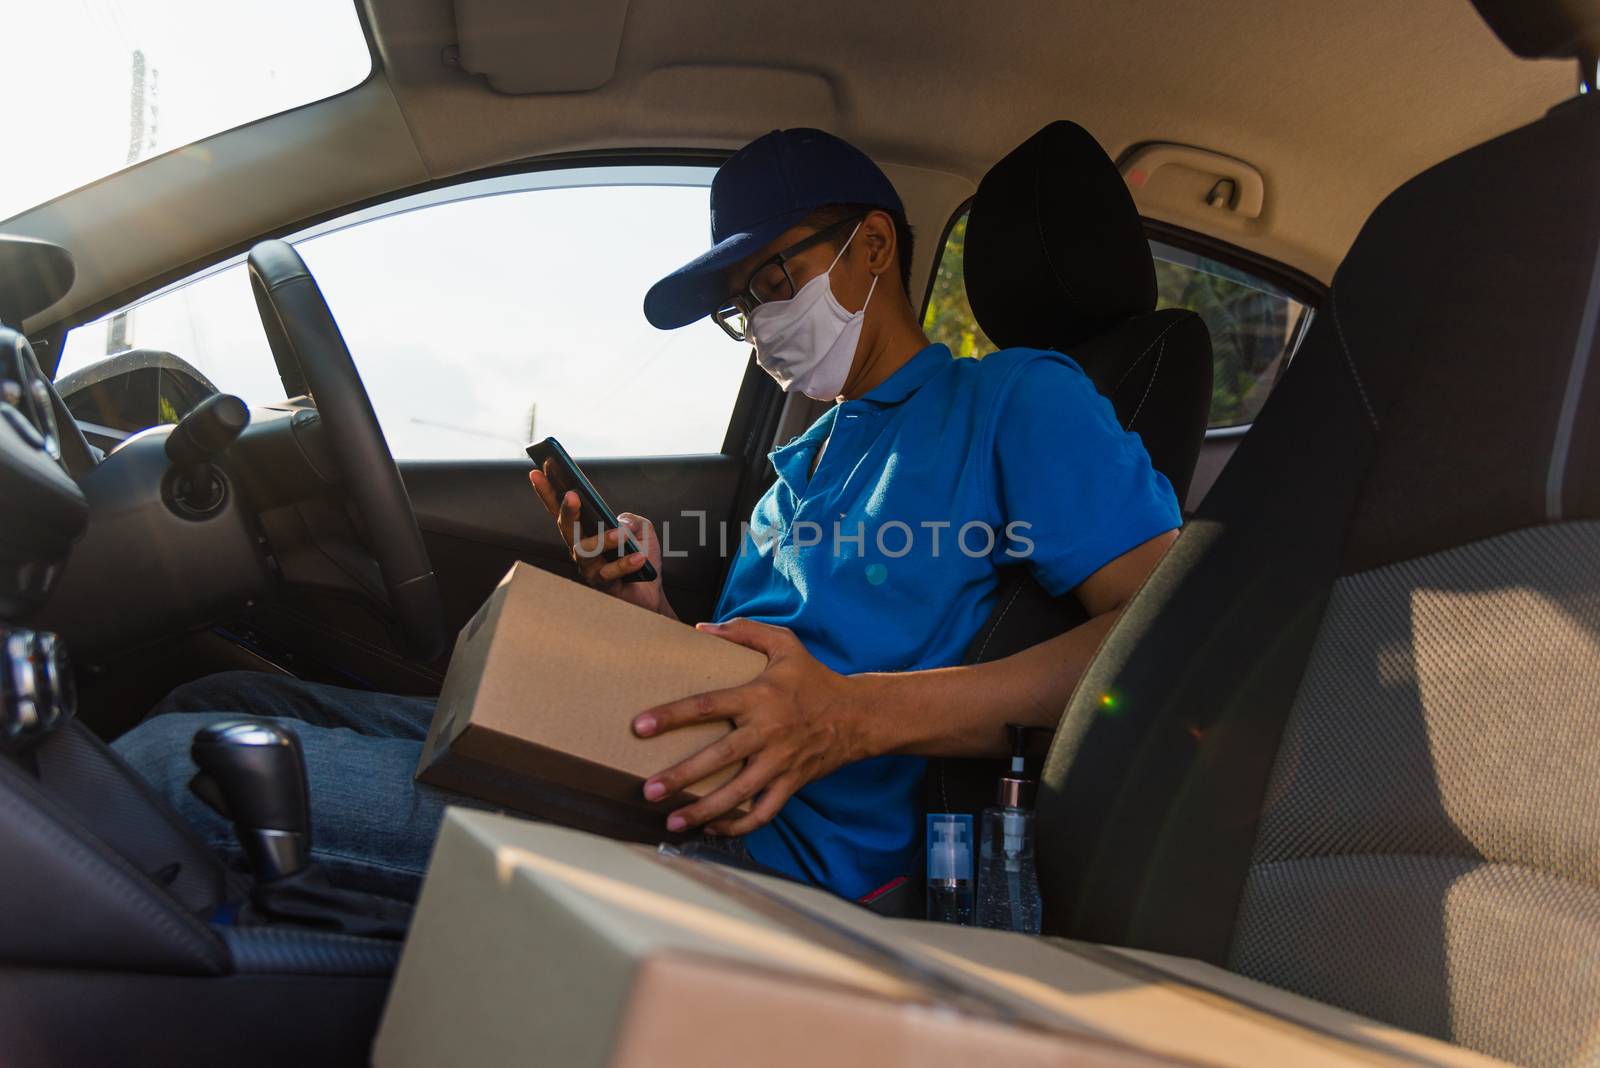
<point>254,773</point>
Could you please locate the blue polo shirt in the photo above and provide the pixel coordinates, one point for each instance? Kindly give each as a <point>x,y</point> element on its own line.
<point>886,558</point>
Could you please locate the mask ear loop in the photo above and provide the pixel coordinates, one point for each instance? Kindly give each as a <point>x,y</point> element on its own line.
<point>840,256</point>
<point>842,247</point>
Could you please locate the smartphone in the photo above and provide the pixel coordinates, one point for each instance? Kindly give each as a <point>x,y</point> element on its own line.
<point>594,515</point>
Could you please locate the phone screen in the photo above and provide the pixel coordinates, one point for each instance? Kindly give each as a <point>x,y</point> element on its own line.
<point>594,515</point>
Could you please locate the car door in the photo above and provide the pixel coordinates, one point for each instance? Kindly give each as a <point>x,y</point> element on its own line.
<point>482,316</point>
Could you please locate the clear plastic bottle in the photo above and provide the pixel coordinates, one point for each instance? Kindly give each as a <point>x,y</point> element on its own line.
<point>950,867</point>
<point>1008,885</point>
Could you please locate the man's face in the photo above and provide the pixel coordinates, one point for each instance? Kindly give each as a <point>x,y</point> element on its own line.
<point>797,256</point>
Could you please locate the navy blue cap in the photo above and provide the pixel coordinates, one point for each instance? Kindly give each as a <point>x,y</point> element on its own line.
<point>766,187</point>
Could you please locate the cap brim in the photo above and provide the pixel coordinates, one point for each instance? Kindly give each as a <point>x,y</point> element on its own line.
<point>695,290</point>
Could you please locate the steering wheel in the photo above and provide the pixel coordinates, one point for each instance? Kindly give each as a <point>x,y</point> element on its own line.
<point>312,359</point>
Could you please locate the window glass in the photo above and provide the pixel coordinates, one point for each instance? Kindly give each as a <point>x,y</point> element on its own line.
<point>96,85</point>
<point>950,317</point>
<point>1254,325</point>
<point>210,323</point>
<point>484,316</point>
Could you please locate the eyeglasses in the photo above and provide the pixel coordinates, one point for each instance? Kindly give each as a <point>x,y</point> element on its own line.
<point>769,282</point>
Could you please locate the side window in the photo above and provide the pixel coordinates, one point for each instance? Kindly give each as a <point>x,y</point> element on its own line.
<point>481,317</point>
<point>949,317</point>
<point>1254,325</point>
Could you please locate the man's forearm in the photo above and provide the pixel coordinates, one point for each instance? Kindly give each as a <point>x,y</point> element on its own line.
<point>963,711</point>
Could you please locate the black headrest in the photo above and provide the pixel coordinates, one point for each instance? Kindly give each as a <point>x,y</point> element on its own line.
<point>1545,29</point>
<point>1056,252</point>
<point>34,274</point>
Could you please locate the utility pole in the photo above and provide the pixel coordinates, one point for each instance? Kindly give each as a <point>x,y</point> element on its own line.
<point>136,105</point>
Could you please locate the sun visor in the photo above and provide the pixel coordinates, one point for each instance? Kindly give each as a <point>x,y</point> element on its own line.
<point>554,46</point>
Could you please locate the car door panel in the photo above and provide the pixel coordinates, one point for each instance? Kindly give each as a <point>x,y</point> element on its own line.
<point>479,517</point>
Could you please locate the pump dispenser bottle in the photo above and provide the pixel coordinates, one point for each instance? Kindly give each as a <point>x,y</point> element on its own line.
<point>1008,884</point>
<point>950,867</point>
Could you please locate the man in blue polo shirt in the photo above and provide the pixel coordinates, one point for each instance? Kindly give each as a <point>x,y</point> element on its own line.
<point>873,560</point>
<point>865,572</point>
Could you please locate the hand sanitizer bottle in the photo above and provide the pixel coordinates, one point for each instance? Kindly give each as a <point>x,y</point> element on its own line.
<point>950,867</point>
<point>1008,885</point>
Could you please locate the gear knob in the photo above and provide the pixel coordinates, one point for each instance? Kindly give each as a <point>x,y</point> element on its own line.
<point>254,773</point>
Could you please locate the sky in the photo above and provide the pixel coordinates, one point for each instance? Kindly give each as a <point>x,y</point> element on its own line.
<point>215,65</point>
<point>476,325</point>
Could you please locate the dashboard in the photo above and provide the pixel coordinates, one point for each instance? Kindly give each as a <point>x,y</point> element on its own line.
<point>42,510</point>
<point>175,528</point>
<point>26,394</point>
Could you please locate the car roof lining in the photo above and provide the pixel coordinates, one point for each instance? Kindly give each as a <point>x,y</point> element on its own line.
<point>1336,105</point>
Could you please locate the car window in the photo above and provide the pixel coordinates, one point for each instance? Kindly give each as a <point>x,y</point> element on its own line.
<point>1254,327</point>
<point>480,317</point>
<point>1254,324</point>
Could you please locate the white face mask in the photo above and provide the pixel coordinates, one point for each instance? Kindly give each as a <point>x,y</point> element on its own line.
<point>808,342</point>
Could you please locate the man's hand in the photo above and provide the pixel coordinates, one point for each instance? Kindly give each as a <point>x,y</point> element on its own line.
<point>792,724</point>
<point>594,554</point>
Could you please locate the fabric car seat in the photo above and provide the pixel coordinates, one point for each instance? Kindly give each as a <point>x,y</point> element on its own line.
<point>1056,258</point>
<point>1353,740</point>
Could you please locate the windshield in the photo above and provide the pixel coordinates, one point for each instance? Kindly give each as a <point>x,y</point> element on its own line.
<point>97,85</point>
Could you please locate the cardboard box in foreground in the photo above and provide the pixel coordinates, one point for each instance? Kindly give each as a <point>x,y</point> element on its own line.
<point>542,688</point>
<point>534,944</point>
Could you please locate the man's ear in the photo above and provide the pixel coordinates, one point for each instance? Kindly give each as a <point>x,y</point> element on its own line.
<point>877,237</point>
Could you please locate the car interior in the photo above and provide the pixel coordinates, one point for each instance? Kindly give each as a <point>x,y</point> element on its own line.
<point>1336,265</point>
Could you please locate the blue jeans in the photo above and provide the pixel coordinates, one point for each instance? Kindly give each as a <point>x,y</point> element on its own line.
<point>372,825</point>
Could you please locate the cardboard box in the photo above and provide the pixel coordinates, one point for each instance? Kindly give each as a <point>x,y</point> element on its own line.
<point>536,944</point>
<point>538,702</point>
